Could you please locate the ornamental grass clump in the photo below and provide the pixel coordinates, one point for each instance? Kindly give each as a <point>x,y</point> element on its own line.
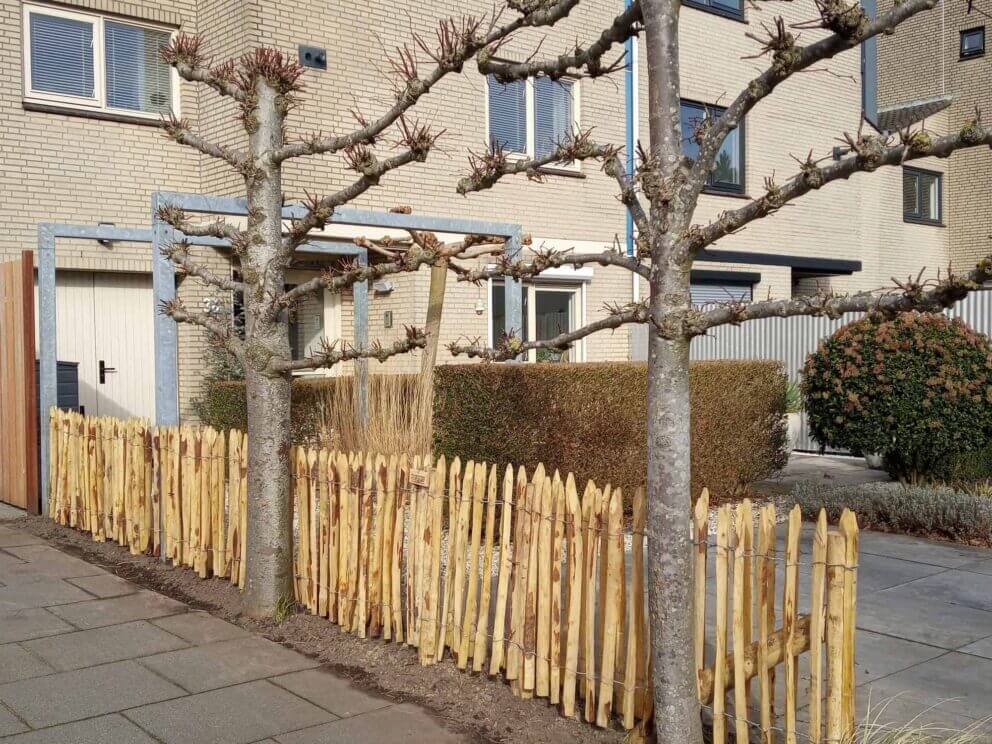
<point>916,389</point>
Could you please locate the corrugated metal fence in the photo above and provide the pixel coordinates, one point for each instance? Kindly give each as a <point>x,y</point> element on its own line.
<point>792,339</point>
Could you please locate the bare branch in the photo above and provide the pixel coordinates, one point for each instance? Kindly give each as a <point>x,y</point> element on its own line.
<point>335,352</point>
<point>869,153</point>
<point>912,294</point>
<point>185,54</point>
<point>178,253</point>
<point>511,346</point>
<point>850,26</point>
<point>585,60</point>
<point>179,131</point>
<point>628,193</point>
<point>175,217</point>
<point>458,42</point>
<point>220,332</point>
<point>545,259</point>
<point>487,168</point>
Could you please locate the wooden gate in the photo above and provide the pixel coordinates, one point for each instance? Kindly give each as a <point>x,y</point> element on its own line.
<point>18,392</point>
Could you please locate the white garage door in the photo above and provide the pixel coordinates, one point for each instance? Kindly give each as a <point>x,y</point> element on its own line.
<point>106,321</point>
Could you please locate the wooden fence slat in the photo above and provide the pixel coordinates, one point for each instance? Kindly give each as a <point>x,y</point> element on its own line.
<point>386,545</point>
<point>435,506</point>
<point>454,493</point>
<point>741,640</point>
<point>343,479</point>
<point>368,478</point>
<point>634,671</point>
<point>514,650</point>
<point>848,525</point>
<point>458,549</point>
<point>614,561</point>
<point>700,531</point>
<point>766,617</point>
<point>790,619</point>
<point>243,510</point>
<point>557,538</point>
<point>482,626</point>
<point>313,533</point>
<point>544,559</point>
<point>720,644</point>
<point>536,499</point>
<point>836,560</point>
<point>816,619</point>
<point>400,475</point>
<point>375,547</point>
<point>415,585</point>
<point>507,523</point>
<point>592,518</point>
<point>575,539</point>
<point>472,571</point>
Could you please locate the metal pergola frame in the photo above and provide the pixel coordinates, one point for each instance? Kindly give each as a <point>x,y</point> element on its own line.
<point>164,285</point>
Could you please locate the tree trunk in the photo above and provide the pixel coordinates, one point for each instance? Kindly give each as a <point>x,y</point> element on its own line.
<point>670,595</point>
<point>269,571</point>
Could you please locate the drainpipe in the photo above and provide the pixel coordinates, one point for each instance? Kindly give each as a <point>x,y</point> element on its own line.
<point>631,122</point>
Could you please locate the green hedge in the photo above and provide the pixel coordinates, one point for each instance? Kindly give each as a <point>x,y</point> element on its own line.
<point>588,419</point>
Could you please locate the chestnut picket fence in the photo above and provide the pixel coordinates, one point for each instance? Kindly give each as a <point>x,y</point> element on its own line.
<point>516,575</point>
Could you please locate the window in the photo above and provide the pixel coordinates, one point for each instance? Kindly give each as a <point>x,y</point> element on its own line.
<point>728,173</point>
<point>973,42</point>
<point>921,196</point>
<point>547,309</point>
<point>729,8</point>
<point>706,292</point>
<point>89,62</point>
<point>530,117</point>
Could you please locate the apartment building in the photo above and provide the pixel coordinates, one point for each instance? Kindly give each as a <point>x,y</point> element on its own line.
<point>83,89</point>
<point>938,62</point>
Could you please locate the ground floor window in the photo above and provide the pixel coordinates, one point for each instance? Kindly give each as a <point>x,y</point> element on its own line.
<point>713,292</point>
<point>548,311</point>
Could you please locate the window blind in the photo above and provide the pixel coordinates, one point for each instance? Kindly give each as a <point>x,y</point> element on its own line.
<point>508,115</point>
<point>138,79</point>
<point>61,55</point>
<point>552,114</point>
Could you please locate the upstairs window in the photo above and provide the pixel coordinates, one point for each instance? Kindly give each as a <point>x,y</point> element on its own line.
<point>86,61</point>
<point>728,8</point>
<point>921,195</point>
<point>530,117</point>
<point>727,175</point>
<point>973,42</point>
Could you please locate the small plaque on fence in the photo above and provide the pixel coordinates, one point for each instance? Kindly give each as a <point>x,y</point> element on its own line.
<point>419,478</point>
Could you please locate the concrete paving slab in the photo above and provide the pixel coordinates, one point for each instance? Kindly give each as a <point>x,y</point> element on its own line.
<point>105,585</point>
<point>10,512</point>
<point>920,550</point>
<point>982,567</point>
<point>981,648</point>
<point>880,655</point>
<point>112,729</point>
<point>84,693</point>
<point>226,663</point>
<point>143,605</point>
<point>953,587</point>
<point>103,645</point>
<point>17,663</point>
<point>45,592</point>
<point>23,625</point>
<point>894,713</point>
<point>331,693</point>
<point>42,561</point>
<point>878,572</point>
<point>200,627</point>
<point>10,538</point>
<point>9,723</point>
<point>935,623</point>
<point>964,682</point>
<point>242,713</point>
<point>399,724</point>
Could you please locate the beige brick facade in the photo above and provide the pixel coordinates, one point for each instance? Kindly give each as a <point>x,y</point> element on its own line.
<point>71,168</point>
<point>921,60</point>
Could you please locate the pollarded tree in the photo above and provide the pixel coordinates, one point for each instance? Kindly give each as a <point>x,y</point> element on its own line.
<point>661,195</point>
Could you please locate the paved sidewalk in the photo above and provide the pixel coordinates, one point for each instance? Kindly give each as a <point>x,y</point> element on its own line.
<point>88,658</point>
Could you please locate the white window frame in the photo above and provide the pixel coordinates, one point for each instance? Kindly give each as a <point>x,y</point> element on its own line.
<point>529,116</point>
<point>576,286</point>
<point>98,102</point>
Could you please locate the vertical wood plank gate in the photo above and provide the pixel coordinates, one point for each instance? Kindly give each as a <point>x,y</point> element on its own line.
<point>18,393</point>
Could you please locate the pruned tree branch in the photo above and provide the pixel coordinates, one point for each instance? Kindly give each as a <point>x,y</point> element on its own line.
<point>585,60</point>
<point>335,352</point>
<point>175,217</point>
<point>487,168</point>
<point>179,131</point>
<point>220,332</point>
<point>186,55</point>
<point>178,253</point>
<point>511,346</point>
<point>458,41</point>
<point>628,193</point>
<point>544,259</point>
<point>913,294</point>
<point>850,25</point>
<point>869,152</point>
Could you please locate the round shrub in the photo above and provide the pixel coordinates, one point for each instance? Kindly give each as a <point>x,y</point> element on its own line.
<point>916,389</point>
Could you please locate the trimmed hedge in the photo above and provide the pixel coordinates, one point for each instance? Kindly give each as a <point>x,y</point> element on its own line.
<point>588,419</point>
<point>928,511</point>
<point>916,389</point>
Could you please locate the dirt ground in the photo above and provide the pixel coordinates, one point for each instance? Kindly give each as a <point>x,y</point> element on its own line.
<point>482,707</point>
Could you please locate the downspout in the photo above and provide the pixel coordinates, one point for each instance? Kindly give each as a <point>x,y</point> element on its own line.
<point>631,120</point>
